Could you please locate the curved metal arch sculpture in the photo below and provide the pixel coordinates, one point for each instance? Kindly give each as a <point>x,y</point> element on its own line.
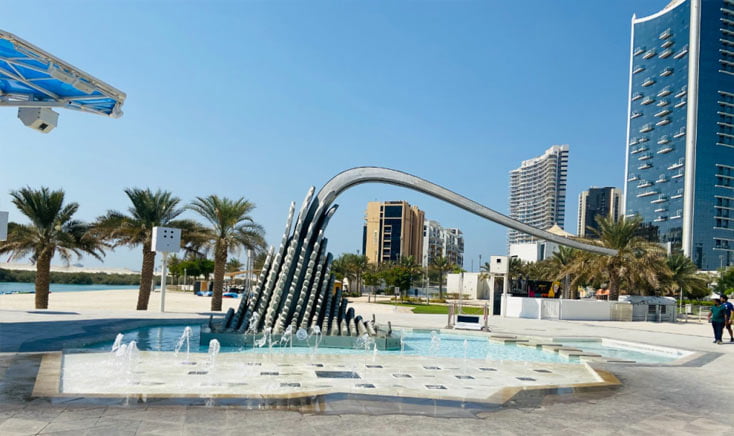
<point>357,176</point>
<point>293,292</point>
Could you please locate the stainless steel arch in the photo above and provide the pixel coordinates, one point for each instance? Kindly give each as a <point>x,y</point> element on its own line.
<point>357,176</point>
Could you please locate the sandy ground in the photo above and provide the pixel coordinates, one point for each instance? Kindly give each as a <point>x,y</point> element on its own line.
<point>124,300</point>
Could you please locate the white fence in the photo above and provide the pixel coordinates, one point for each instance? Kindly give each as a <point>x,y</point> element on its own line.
<point>546,308</point>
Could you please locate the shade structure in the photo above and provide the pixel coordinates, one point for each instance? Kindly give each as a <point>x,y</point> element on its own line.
<point>31,77</point>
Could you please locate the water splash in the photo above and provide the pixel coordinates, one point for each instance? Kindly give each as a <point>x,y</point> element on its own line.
<point>185,339</point>
<point>214,347</point>
<point>118,342</point>
<point>435,347</point>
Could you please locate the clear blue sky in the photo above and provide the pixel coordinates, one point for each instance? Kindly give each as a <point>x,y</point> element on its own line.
<point>264,99</point>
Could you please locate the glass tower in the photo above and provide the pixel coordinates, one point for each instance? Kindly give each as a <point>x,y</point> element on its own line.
<point>680,132</point>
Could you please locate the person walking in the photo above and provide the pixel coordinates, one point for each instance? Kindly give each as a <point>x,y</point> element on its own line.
<point>729,310</point>
<point>717,317</point>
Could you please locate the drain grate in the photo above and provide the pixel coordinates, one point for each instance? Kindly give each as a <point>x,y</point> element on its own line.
<point>464,377</point>
<point>253,364</point>
<point>402,376</point>
<point>525,378</point>
<point>434,368</point>
<point>373,366</point>
<point>198,372</point>
<point>365,385</point>
<point>290,385</point>
<point>337,374</point>
<point>436,387</point>
<point>318,365</point>
<point>542,370</point>
<point>488,369</point>
<point>269,373</point>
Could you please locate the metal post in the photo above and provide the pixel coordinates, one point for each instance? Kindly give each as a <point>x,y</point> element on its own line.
<point>164,273</point>
<point>505,289</point>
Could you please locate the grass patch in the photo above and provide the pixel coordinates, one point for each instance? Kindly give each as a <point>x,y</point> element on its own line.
<point>436,309</point>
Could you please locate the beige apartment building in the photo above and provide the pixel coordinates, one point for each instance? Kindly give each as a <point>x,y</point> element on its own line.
<point>393,229</point>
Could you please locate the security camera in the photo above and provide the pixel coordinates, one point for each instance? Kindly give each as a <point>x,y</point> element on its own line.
<point>42,119</point>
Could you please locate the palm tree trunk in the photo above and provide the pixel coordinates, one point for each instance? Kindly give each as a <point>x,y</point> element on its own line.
<point>146,277</point>
<point>440,285</point>
<point>43,273</point>
<point>220,261</point>
<point>613,288</point>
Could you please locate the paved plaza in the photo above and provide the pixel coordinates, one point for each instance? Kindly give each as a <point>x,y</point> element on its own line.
<point>694,397</point>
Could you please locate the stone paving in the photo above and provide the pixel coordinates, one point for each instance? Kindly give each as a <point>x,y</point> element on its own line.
<point>693,398</point>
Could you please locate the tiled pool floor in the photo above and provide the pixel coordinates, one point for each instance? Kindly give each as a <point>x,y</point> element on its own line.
<point>160,374</point>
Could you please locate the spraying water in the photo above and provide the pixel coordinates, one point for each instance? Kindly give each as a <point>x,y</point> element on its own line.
<point>185,339</point>
<point>435,347</point>
<point>118,342</point>
<point>214,347</point>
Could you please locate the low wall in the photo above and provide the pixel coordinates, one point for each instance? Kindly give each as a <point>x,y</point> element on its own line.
<point>547,308</point>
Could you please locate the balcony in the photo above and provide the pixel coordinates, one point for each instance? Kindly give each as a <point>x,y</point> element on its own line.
<point>638,69</point>
<point>677,175</point>
<point>638,51</point>
<point>676,165</point>
<point>647,100</point>
<point>648,54</point>
<point>666,53</point>
<point>682,92</point>
<point>661,179</point>
<point>661,210</point>
<point>680,104</point>
<point>665,91</point>
<point>667,43</point>
<point>647,193</point>
<point>681,133</point>
<point>666,72</point>
<point>648,82</point>
<point>646,128</point>
<point>635,115</point>
<point>663,140</point>
<point>660,199</point>
<point>638,150</point>
<point>680,54</point>
<point>677,195</point>
<point>663,113</point>
<point>636,96</point>
<point>645,166</point>
<point>632,178</point>
<point>661,219</point>
<point>645,156</point>
<point>632,142</point>
<point>663,103</point>
<point>665,150</point>
<point>663,122</point>
<point>665,34</point>
<point>644,184</point>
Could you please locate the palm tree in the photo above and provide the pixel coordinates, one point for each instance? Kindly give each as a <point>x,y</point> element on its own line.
<point>637,264</point>
<point>149,209</point>
<point>52,231</point>
<point>232,229</point>
<point>684,276</point>
<point>558,262</point>
<point>234,265</point>
<point>441,265</point>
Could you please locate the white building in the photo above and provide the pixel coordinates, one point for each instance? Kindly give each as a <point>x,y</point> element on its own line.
<point>444,242</point>
<point>538,192</point>
<point>537,250</point>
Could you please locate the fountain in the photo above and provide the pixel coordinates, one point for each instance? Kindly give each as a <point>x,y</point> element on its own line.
<point>435,347</point>
<point>213,352</point>
<point>185,339</point>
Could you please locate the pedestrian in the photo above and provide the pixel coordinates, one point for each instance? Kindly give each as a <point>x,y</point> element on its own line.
<point>717,318</point>
<point>729,311</point>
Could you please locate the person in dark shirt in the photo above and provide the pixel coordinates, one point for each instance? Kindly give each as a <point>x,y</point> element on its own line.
<point>729,310</point>
<point>718,318</point>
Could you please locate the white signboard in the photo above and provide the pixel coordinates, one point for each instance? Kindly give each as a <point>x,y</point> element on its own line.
<point>166,240</point>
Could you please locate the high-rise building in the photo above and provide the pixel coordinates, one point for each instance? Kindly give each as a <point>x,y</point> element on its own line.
<point>538,192</point>
<point>393,229</point>
<point>680,130</point>
<point>604,202</point>
<point>444,242</point>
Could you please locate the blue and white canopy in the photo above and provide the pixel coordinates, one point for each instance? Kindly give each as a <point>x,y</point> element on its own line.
<point>30,77</point>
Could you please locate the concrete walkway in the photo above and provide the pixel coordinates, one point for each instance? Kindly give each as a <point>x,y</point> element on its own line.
<point>695,398</point>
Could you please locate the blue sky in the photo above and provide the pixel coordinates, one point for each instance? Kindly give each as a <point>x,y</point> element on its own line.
<point>264,99</point>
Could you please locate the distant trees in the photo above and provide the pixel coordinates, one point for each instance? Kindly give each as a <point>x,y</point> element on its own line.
<point>353,267</point>
<point>441,266</point>
<point>53,230</point>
